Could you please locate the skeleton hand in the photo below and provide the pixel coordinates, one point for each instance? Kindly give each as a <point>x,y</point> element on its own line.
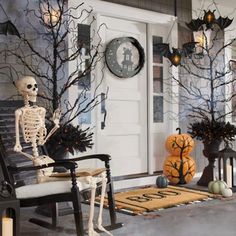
<point>17,147</point>
<point>56,117</point>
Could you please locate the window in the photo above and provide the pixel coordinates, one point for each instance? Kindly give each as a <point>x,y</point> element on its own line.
<point>84,85</point>
<point>158,101</point>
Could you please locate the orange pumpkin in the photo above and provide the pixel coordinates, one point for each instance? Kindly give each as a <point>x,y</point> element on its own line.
<point>176,143</point>
<point>179,170</point>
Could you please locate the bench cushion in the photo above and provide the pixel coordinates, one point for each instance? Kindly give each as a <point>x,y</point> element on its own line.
<point>52,187</point>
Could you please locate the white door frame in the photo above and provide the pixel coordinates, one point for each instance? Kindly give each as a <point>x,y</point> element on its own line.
<point>101,8</point>
<point>169,35</point>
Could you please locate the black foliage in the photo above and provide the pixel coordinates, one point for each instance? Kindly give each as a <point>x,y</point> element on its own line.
<point>208,130</point>
<point>70,139</point>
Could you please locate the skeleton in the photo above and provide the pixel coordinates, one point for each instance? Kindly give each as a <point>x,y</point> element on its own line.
<point>31,120</point>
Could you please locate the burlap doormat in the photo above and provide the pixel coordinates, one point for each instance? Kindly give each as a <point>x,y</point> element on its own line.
<point>150,199</point>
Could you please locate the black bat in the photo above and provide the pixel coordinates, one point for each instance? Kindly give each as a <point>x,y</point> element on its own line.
<point>163,49</point>
<point>194,25</point>
<point>186,51</point>
<point>223,22</point>
<point>8,28</point>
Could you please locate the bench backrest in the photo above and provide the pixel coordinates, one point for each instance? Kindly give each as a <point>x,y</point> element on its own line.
<point>7,142</point>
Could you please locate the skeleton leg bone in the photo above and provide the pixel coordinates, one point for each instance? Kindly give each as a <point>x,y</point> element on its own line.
<point>99,224</point>
<point>27,155</point>
<point>93,185</point>
<point>39,161</point>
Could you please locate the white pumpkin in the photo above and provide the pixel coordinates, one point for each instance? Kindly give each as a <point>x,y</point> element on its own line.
<point>217,186</point>
<point>210,186</point>
<point>227,192</point>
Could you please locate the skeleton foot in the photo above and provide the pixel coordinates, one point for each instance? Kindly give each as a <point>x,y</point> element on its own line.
<point>101,228</point>
<point>92,232</point>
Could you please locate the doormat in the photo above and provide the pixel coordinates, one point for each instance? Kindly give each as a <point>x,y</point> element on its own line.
<point>139,201</point>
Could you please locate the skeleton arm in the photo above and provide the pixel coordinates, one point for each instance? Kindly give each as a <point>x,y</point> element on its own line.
<point>17,147</point>
<point>56,119</point>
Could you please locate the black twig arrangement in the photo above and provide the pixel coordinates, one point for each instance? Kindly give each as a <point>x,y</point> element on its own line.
<point>46,50</point>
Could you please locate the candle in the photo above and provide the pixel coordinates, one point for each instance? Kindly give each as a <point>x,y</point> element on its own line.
<point>229,175</point>
<point>7,226</point>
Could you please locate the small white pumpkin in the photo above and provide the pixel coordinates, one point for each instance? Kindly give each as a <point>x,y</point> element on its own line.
<point>227,192</point>
<point>217,186</point>
<point>210,186</point>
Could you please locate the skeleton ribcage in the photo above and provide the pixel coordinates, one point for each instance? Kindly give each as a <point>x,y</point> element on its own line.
<point>32,124</point>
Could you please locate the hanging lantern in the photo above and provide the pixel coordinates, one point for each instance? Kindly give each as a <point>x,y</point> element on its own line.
<point>51,18</point>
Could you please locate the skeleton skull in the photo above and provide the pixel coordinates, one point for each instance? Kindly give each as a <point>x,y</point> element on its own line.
<point>28,88</point>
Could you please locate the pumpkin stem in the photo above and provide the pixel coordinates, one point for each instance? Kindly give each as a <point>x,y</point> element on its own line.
<point>178,129</point>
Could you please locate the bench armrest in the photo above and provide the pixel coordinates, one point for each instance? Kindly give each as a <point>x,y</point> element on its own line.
<point>101,157</point>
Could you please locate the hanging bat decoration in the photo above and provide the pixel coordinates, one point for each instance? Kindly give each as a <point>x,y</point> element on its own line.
<point>195,25</point>
<point>176,54</point>
<point>8,28</point>
<point>208,20</point>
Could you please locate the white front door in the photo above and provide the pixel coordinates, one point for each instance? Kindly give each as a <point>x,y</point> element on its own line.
<point>124,136</point>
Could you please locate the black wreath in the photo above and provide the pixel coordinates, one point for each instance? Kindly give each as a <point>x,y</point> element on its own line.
<point>113,65</point>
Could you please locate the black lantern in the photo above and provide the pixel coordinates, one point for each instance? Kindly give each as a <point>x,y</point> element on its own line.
<point>9,210</point>
<point>226,160</point>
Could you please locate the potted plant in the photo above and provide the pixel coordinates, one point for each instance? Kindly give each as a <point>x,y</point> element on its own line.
<point>211,133</point>
<point>69,139</point>
<point>206,87</point>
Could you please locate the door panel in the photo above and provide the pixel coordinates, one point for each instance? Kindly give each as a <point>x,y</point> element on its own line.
<point>125,134</point>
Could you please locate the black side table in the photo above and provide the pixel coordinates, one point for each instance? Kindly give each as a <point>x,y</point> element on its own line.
<point>9,206</point>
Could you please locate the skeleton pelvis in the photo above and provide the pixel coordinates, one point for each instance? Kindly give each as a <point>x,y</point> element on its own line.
<point>43,160</point>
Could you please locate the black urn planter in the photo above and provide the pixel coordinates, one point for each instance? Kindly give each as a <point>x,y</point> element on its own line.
<point>211,152</point>
<point>58,154</point>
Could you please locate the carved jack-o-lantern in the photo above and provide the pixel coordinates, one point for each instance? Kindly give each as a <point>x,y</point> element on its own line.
<point>179,170</point>
<point>177,143</point>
